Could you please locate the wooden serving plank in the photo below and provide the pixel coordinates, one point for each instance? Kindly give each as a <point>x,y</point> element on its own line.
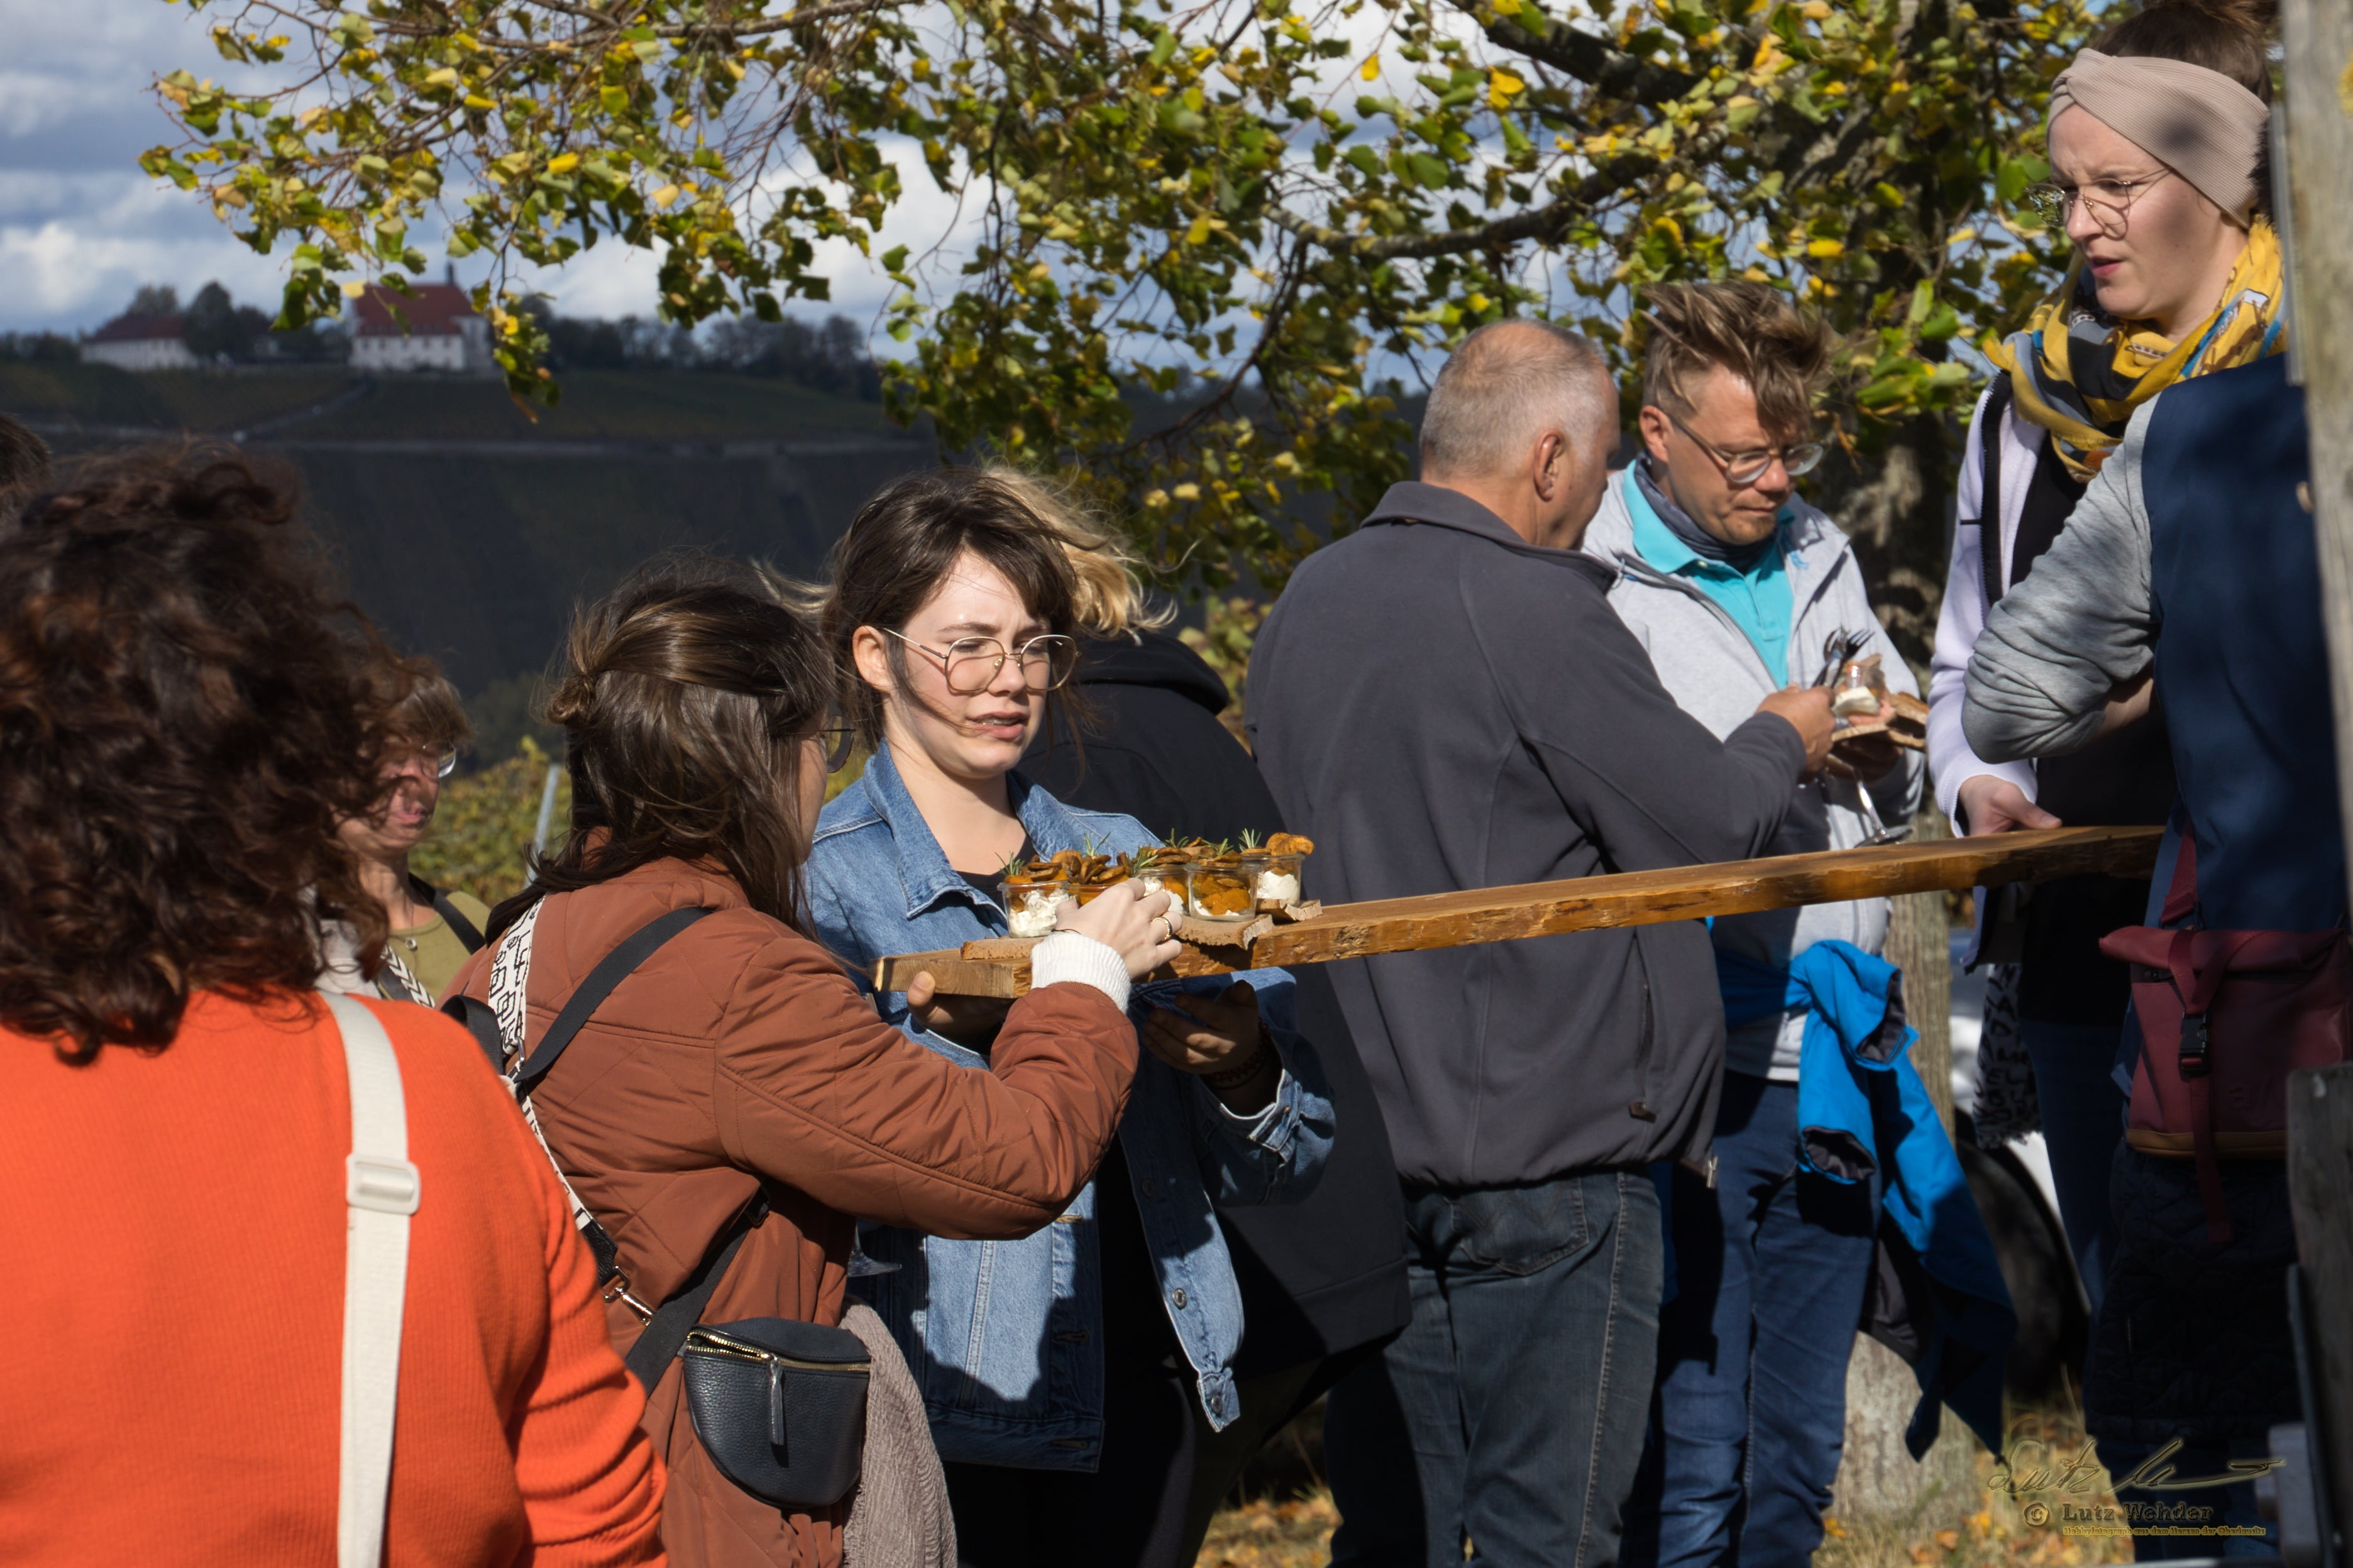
<point>1636,898</point>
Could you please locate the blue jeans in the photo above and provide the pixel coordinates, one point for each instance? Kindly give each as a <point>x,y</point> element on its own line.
<point>1771,1270</point>
<point>1511,1408</point>
<point>2082,1119</point>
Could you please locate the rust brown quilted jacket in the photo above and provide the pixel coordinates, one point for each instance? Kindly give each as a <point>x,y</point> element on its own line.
<point>740,1056</point>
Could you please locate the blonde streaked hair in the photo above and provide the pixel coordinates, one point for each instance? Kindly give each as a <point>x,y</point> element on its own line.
<point>1107,597</point>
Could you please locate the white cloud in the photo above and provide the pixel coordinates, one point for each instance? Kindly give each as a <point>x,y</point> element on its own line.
<point>82,226</point>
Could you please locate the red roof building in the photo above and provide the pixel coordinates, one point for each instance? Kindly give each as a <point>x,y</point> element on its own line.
<point>140,343</point>
<point>436,329</point>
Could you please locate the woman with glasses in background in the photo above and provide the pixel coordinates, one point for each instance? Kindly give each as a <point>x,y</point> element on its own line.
<point>735,1089</point>
<point>433,931</point>
<point>2177,274</point>
<point>1059,1372</point>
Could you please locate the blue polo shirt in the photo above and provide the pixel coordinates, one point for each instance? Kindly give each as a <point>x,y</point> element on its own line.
<point>1758,600</point>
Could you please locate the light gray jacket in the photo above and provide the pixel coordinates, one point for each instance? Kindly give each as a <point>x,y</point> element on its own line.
<point>1717,676</point>
<point>2039,676</point>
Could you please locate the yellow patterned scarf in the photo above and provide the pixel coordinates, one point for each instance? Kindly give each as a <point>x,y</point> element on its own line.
<point>2079,374</point>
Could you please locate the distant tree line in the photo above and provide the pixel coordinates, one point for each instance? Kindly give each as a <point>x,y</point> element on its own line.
<point>217,329</point>
<point>38,348</point>
<point>830,356</point>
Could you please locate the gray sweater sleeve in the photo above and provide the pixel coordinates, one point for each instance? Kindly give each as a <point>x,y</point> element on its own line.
<point>2083,623</point>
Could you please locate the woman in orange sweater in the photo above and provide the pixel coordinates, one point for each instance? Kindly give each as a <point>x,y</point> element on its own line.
<point>181,727</point>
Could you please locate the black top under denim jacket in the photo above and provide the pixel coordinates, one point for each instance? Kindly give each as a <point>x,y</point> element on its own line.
<point>1324,1275</point>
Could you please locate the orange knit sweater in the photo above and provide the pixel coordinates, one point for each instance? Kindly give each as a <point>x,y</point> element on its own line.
<point>172,1248</point>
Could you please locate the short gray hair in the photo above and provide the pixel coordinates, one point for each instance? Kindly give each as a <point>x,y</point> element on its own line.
<point>1506,385</point>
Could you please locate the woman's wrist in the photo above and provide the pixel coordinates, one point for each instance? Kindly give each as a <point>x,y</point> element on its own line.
<point>1070,955</point>
<point>1249,1085</point>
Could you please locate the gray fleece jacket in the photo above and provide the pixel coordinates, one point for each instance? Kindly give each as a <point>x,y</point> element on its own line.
<point>1716,675</point>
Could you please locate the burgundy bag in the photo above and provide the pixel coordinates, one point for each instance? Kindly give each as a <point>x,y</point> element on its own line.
<point>2225,1016</point>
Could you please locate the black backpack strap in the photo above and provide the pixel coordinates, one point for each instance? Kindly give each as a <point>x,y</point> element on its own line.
<point>483,1024</point>
<point>1989,429</point>
<point>615,968</point>
<point>464,930</point>
<point>665,1333</point>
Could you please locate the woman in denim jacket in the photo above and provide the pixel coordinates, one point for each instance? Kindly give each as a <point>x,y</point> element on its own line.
<point>1056,1369</point>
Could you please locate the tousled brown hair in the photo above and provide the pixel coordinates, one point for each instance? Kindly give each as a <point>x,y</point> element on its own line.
<point>900,548</point>
<point>2226,36</point>
<point>685,697</point>
<point>24,466</point>
<point>431,717</point>
<point>1780,352</point>
<point>183,723</point>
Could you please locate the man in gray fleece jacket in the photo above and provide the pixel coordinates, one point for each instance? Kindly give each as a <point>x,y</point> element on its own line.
<point>1444,701</point>
<point>1735,585</point>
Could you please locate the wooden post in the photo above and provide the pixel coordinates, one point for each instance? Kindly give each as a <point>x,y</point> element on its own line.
<point>2320,1190</point>
<point>2317,40</point>
<point>1878,1480</point>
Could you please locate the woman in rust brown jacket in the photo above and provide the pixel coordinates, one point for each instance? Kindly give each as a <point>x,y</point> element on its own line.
<point>738,1065</point>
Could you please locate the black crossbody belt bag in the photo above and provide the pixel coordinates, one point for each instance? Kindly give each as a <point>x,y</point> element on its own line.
<point>778,1405</point>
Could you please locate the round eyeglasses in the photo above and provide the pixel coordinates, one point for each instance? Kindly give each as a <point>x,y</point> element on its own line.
<point>418,760</point>
<point>2109,202</point>
<point>972,663</point>
<point>1747,467</point>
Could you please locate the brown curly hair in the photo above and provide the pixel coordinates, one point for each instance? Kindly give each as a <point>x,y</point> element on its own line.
<point>183,722</point>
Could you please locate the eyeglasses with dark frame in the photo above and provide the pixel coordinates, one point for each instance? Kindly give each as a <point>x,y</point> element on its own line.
<point>970,664</point>
<point>1747,467</point>
<point>839,739</point>
<point>2108,200</point>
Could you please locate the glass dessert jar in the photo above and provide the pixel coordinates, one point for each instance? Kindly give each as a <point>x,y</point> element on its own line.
<point>1030,903</point>
<point>1219,890</point>
<point>1275,881</point>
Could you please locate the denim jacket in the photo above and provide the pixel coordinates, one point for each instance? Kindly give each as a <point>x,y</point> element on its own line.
<point>1005,1337</point>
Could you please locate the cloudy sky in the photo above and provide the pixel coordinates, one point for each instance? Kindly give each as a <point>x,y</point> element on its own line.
<point>81,227</point>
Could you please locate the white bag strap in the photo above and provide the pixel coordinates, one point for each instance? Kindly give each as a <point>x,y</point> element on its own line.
<point>510,984</point>
<point>381,1190</point>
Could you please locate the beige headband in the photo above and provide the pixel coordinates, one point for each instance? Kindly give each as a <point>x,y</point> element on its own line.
<point>2202,124</point>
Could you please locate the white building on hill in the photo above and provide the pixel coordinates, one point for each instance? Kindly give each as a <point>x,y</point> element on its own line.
<point>139,343</point>
<point>442,331</point>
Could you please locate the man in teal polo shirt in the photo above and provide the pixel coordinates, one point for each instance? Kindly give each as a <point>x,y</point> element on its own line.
<point>1735,584</point>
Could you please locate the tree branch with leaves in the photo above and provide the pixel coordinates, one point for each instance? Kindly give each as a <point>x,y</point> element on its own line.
<point>1272,215</point>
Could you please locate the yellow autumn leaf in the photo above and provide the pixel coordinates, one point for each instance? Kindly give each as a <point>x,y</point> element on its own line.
<point>1199,232</point>
<point>445,77</point>
<point>353,289</point>
<point>1372,68</point>
<point>1826,248</point>
<point>1501,86</point>
<point>1817,10</point>
<point>1186,492</point>
<point>564,163</point>
<point>663,195</point>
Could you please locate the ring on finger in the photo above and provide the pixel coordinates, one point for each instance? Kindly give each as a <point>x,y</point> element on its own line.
<point>1167,932</point>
